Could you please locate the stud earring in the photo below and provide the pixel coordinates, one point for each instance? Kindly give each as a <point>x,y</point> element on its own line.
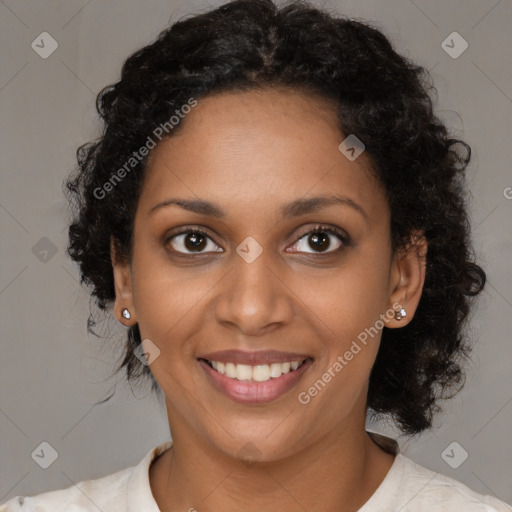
<point>400,314</point>
<point>126,314</point>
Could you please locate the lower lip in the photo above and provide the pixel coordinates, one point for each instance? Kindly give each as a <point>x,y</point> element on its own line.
<point>251,392</point>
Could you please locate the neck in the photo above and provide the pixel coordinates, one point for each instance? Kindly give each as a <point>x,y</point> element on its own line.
<point>338,472</point>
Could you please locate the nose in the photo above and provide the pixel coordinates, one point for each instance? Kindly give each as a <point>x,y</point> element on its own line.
<point>254,297</point>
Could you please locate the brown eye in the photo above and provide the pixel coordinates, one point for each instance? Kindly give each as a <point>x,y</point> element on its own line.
<point>321,240</point>
<point>191,241</point>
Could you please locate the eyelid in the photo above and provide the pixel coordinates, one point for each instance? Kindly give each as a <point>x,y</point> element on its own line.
<point>326,228</point>
<point>192,228</point>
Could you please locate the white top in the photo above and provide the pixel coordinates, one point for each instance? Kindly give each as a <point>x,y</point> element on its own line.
<point>407,487</point>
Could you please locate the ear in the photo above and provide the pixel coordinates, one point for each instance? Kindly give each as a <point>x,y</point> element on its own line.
<point>123,287</point>
<point>407,278</point>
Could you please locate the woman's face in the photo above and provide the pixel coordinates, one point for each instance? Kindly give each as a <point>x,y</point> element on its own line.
<point>259,290</point>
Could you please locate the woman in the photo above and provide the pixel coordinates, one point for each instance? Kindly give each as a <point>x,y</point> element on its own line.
<point>278,218</point>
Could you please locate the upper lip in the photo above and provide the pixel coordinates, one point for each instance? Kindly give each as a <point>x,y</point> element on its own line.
<point>254,358</point>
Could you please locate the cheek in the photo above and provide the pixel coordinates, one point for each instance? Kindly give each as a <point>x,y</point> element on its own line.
<point>166,302</point>
<point>346,299</point>
<point>167,310</point>
<point>346,308</point>
<point>165,292</point>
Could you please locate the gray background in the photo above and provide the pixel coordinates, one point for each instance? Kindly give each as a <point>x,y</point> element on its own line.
<point>52,372</point>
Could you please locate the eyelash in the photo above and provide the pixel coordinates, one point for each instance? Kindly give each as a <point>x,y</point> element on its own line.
<point>320,228</point>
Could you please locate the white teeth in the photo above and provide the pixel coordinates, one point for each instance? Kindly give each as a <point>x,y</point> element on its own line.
<point>275,370</point>
<point>258,373</point>
<point>231,370</point>
<point>243,372</point>
<point>261,373</point>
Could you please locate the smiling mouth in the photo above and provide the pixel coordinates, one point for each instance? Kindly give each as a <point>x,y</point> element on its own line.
<point>255,373</point>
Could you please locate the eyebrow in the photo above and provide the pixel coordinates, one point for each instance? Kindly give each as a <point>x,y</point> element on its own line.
<point>294,209</point>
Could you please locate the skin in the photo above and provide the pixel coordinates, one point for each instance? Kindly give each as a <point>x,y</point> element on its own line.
<point>250,153</point>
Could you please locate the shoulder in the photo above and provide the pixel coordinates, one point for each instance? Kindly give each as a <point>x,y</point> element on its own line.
<point>410,487</point>
<point>425,489</point>
<point>84,496</point>
<point>112,492</point>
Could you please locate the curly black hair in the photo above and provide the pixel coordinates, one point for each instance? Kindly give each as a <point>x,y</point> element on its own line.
<point>381,97</point>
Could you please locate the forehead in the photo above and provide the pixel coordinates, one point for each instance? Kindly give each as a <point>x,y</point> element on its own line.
<point>259,148</point>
